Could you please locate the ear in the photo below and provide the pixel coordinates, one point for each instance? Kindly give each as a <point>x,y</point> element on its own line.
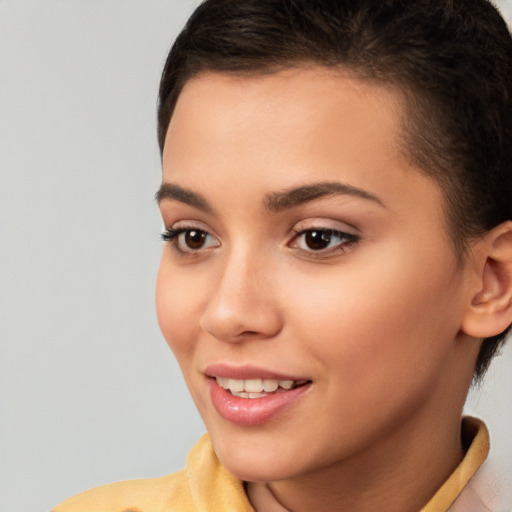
<point>490,310</point>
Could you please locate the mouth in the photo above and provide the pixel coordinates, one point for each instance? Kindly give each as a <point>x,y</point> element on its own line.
<point>258,388</point>
<point>249,395</point>
<point>255,401</point>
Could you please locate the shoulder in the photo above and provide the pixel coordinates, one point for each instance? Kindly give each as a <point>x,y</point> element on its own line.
<point>148,495</point>
<point>204,485</point>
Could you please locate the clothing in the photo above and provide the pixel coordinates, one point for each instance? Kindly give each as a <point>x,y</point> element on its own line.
<point>474,486</point>
<point>206,486</point>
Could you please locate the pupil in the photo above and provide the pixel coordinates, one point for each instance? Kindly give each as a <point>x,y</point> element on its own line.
<point>195,239</point>
<point>318,240</point>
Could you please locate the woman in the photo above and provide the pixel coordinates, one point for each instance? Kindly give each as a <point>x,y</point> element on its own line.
<point>338,260</point>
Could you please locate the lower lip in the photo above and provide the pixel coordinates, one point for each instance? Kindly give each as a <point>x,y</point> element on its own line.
<point>252,411</point>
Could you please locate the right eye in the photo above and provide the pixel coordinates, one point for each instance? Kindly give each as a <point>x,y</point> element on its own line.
<point>189,240</point>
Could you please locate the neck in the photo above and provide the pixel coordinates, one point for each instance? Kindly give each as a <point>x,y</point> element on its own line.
<point>401,473</point>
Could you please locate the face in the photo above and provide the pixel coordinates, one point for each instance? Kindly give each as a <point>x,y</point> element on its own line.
<point>307,286</point>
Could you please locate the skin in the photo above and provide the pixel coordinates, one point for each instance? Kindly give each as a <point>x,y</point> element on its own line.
<point>375,324</point>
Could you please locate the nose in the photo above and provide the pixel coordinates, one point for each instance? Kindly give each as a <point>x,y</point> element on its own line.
<point>244,304</point>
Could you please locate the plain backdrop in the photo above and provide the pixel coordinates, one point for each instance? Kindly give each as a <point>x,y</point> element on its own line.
<point>89,391</point>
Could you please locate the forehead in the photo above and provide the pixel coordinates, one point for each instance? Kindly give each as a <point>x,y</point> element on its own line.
<point>306,90</point>
<point>289,119</point>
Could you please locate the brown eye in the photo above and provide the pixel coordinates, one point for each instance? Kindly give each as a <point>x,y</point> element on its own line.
<point>189,240</point>
<point>318,240</point>
<point>194,239</point>
<point>323,241</point>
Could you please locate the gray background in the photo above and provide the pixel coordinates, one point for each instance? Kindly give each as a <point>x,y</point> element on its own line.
<point>89,391</point>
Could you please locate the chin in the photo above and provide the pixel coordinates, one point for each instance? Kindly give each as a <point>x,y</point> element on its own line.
<point>256,457</point>
<point>257,469</point>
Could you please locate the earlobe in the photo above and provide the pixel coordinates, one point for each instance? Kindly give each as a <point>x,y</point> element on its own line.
<point>490,310</point>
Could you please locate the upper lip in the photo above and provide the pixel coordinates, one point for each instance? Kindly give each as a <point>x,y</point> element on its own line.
<point>246,371</point>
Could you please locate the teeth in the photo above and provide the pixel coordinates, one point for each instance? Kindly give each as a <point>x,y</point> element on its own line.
<point>254,388</point>
<point>223,382</point>
<point>235,385</point>
<point>253,385</point>
<point>270,385</point>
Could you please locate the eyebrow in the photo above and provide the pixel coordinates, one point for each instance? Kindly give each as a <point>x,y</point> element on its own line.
<point>279,201</point>
<point>274,202</point>
<point>174,192</point>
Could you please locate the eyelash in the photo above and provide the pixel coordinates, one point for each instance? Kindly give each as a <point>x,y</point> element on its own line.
<point>171,236</point>
<point>348,240</point>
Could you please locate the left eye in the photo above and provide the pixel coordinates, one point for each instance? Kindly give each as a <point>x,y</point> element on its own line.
<point>322,239</point>
<point>189,239</point>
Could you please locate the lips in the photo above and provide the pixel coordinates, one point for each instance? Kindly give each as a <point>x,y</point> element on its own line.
<point>250,396</point>
<point>247,371</point>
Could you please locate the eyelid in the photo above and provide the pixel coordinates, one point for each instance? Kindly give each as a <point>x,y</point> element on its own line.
<point>185,225</point>
<point>322,223</point>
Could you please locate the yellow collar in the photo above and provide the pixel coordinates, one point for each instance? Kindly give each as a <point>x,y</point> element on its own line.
<point>476,437</point>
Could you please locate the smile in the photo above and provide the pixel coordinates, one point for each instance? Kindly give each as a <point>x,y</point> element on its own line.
<point>257,388</point>
<point>254,401</point>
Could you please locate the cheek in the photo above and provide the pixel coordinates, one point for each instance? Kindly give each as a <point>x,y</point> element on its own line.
<point>380,342</point>
<point>398,319</point>
<point>177,309</point>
